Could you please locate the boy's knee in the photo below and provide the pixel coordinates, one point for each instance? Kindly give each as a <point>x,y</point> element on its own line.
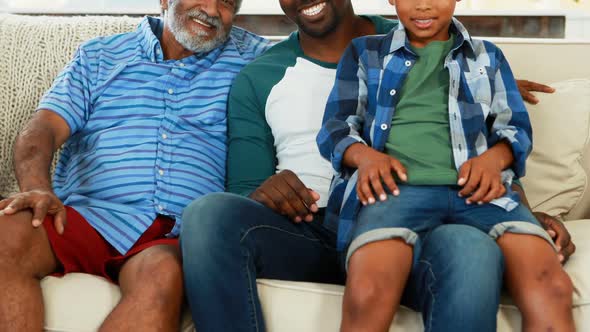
<point>558,285</point>
<point>366,293</point>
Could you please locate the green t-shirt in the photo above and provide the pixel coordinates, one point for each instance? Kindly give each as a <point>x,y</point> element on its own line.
<point>420,135</point>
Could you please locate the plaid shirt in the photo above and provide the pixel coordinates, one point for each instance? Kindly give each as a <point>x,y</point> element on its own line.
<point>485,107</point>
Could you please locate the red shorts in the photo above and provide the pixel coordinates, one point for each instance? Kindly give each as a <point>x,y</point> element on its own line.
<point>82,249</point>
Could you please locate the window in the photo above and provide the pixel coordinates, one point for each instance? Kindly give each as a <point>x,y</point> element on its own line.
<point>152,6</point>
<point>81,6</point>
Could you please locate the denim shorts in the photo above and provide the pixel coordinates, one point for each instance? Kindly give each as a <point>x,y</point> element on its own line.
<point>419,209</point>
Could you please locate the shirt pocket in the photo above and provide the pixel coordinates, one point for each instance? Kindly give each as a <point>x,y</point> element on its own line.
<point>480,85</point>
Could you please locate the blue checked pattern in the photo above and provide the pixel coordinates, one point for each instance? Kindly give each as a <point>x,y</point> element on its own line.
<point>485,107</point>
<point>148,135</point>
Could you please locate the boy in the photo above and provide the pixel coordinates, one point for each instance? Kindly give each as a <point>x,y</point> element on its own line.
<point>461,133</point>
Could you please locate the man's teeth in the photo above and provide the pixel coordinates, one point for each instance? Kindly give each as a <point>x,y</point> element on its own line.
<point>202,23</point>
<point>314,10</point>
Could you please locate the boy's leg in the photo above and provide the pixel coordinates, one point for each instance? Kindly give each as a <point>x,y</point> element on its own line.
<point>456,280</point>
<point>25,257</point>
<point>377,275</point>
<point>540,287</point>
<point>228,241</point>
<point>379,257</point>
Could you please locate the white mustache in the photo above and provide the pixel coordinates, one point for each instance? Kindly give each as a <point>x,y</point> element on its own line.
<point>201,16</point>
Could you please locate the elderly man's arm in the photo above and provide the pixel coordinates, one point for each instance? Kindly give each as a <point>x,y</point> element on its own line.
<point>33,153</point>
<point>526,87</point>
<point>554,227</point>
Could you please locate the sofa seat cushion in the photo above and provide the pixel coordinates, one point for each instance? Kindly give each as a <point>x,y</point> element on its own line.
<point>80,302</point>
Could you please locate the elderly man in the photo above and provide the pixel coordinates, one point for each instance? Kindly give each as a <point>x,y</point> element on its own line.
<point>275,224</point>
<point>143,119</point>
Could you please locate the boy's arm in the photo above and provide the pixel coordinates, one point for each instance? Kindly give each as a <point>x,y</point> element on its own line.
<point>340,137</point>
<point>344,114</point>
<point>511,120</point>
<point>251,161</point>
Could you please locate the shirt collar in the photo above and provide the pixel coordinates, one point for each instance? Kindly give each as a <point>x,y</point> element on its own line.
<point>148,33</point>
<point>400,40</point>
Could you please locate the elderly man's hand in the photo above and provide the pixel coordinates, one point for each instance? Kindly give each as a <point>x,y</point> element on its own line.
<point>525,87</point>
<point>559,234</point>
<point>41,202</point>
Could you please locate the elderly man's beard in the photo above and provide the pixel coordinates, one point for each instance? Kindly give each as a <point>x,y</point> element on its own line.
<point>194,40</point>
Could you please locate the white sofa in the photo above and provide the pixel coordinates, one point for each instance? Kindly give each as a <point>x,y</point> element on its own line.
<point>34,49</point>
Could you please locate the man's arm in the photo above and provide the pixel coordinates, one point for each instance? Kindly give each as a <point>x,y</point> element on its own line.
<point>33,153</point>
<point>554,227</point>
<point>251,165</point>
<point>526,87</point>
<point>62,111</point>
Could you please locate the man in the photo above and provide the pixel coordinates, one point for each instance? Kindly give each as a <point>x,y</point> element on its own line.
<point>275,226</point>
<point>142,116</point>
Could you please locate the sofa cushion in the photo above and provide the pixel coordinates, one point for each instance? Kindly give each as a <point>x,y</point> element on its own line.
<point>34,50</point>
<point>557,170</point>
<point>289,306</point>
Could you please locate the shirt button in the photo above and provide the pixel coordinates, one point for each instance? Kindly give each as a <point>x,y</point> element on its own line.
<point>161,172</point>
<point>384,126</point>
<point>164,136</point>
<point>408,63</point>
<point>392,92</point>
<point>170,91</point>
<point>160,207</point>
<point>181,64</point>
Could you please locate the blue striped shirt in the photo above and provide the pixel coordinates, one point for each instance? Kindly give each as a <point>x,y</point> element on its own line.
<point>148,135</point>
<point>485,107</point>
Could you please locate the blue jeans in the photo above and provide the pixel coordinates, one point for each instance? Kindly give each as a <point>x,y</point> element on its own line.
<point>228,241</point>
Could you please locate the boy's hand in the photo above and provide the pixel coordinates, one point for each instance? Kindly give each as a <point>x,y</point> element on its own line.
<point>481,178</point>
<point>374,169</point>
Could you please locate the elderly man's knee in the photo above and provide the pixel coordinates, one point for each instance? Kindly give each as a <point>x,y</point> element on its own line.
<point>17,240</point>
<point>162,266</point>
<point>155,276</point>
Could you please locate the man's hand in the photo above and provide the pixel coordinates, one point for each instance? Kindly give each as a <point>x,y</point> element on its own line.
<point>374,169</point>
<point>284,193</point>
<point>525,87</point>
<point>41,202</point>
<point>559,234</point>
